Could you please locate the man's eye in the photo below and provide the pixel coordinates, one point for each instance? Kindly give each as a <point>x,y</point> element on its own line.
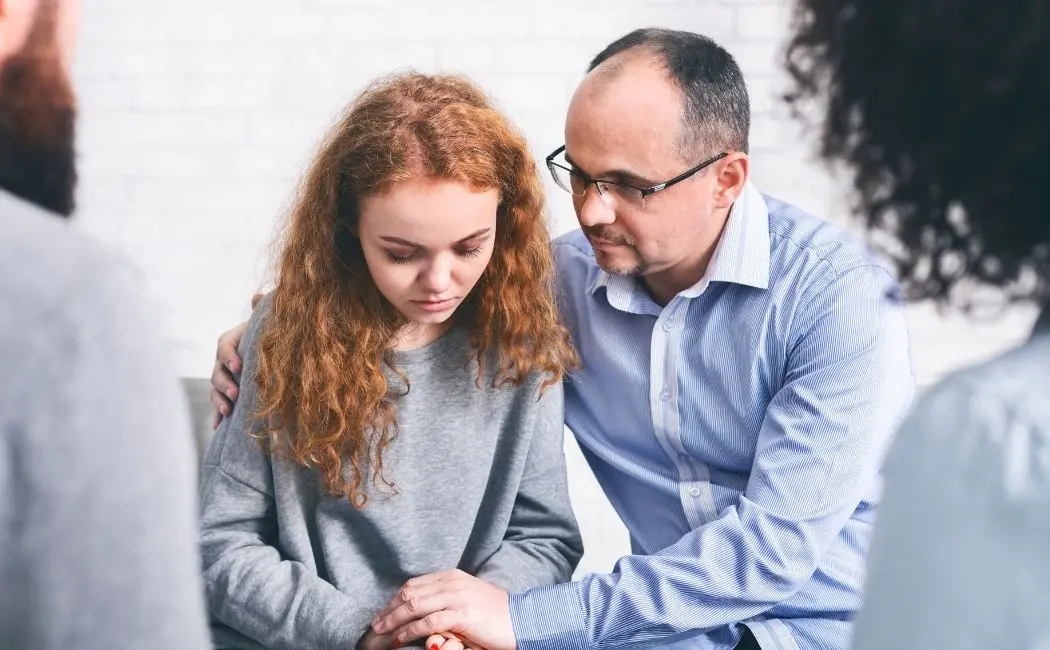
<point>622,190</point>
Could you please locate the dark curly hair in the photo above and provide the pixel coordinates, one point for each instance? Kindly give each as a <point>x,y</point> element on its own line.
<point>942,109</point>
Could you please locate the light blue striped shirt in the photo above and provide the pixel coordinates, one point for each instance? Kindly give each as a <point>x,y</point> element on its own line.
<point>738,431</point>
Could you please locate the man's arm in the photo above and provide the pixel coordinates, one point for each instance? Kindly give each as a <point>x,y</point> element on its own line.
<point>848,383</point>
<point>542,544</point>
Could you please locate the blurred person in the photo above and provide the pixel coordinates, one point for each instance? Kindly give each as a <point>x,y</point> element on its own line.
<point>742,374</point>
<point>402,406</point>
<point>939,108</point>
<point>97,518</point>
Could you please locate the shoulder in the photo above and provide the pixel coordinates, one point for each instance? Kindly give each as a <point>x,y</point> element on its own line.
<point>576,272</point>
<point>261,314</point>
<point>1009,388</point>
<point>813,253</point>
<point>80,345</point>
<point>991,421</point>
<point>46,265</point>
<point>573,253</point>
<point>62,290</point>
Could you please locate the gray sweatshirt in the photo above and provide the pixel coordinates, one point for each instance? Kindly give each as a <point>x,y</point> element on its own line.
<point>97,466</point>
<point>481,486</point>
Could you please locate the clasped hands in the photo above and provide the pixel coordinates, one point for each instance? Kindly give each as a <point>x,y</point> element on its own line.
<point>453,610</point>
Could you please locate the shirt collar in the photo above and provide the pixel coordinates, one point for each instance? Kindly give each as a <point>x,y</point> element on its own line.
<point>741,256</point>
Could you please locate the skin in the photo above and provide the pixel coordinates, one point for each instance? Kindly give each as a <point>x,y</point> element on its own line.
<point>616,129</point>
<point>423,240</point>
<point>623,124</point>
<point>426,244</point>
<point>426,241</point>
<point>16,21</point>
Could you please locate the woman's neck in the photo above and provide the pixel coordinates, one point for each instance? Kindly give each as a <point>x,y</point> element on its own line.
<point>417,335</point>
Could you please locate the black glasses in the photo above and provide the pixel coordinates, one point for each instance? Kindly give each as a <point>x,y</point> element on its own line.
<point>575,182</point>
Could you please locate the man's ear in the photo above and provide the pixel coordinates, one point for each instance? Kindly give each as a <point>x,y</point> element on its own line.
<point>16,21</point>
<point>733,172</point>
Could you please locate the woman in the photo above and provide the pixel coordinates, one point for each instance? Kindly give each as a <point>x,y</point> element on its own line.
<point>940,107</point>
<point>402,404</point>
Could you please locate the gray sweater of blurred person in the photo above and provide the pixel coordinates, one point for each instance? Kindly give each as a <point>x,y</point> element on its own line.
<point>480,486</point>
<point>98,527</point>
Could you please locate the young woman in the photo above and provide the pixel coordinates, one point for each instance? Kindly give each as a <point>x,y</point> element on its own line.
<point>401,409</point>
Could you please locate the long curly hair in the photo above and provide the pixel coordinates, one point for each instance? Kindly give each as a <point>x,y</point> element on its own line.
<point>941,109</point>
<point>322,395</point>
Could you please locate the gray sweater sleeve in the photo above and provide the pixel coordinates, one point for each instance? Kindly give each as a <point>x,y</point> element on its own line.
<point>250,588</point>
<point>542,545</point>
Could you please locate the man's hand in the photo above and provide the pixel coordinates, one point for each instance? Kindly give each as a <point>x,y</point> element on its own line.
<point>450,601</point>
<point>224,387</point>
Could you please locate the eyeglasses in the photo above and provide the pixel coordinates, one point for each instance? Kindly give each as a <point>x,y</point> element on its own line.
<point>575,182</point>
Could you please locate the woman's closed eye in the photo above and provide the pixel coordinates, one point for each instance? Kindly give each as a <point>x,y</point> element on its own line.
<point>401,257</point>
<point>473,251</point>
<point>398,257</point>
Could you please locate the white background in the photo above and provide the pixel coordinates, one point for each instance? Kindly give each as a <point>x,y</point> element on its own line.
<point>197,117</point>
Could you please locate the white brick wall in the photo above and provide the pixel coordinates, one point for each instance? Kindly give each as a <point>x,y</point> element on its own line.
<point>198,115</point>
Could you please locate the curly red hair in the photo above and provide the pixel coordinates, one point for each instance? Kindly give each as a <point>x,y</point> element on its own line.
<point>322,395</point>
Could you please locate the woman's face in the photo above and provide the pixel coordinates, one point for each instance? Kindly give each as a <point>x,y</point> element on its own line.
<point>426,243</point>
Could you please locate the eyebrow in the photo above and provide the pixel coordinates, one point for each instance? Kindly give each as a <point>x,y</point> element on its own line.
<point>620,173</point>
<point>406,242</point>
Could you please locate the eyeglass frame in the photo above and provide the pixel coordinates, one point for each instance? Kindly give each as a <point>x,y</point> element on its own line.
<point>645,191</point>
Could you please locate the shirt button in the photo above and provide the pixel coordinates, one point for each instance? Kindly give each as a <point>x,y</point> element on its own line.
<point>695,492</point>
<point>684,457</point>
<point>665,395</point>
<point>669,324</point>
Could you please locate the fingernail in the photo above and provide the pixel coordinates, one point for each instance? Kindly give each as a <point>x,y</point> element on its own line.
<point>396,645</point>
<point>230,393</point>
<point>434,646</point>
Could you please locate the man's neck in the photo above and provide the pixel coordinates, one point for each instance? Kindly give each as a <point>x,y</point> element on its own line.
<point>665,284</point>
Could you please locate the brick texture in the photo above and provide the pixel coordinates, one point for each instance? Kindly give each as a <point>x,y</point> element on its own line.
<point>198,116</point>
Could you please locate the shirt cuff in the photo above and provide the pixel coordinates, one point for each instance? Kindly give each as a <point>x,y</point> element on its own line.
<point>548,618</point>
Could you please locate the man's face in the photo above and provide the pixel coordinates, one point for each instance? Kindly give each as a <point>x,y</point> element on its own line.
<point>625,126</point>
<point>38,111</point>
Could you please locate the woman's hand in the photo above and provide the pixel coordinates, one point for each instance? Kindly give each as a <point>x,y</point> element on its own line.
<point>373,641</point>
<point>449,641</point>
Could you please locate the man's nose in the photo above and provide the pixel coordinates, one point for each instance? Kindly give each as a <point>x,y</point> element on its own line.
<point>592,209</point>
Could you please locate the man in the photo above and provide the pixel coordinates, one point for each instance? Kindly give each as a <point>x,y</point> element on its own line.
<point>97,508</point>
<point>959,557</point>
<point>744,366</point>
